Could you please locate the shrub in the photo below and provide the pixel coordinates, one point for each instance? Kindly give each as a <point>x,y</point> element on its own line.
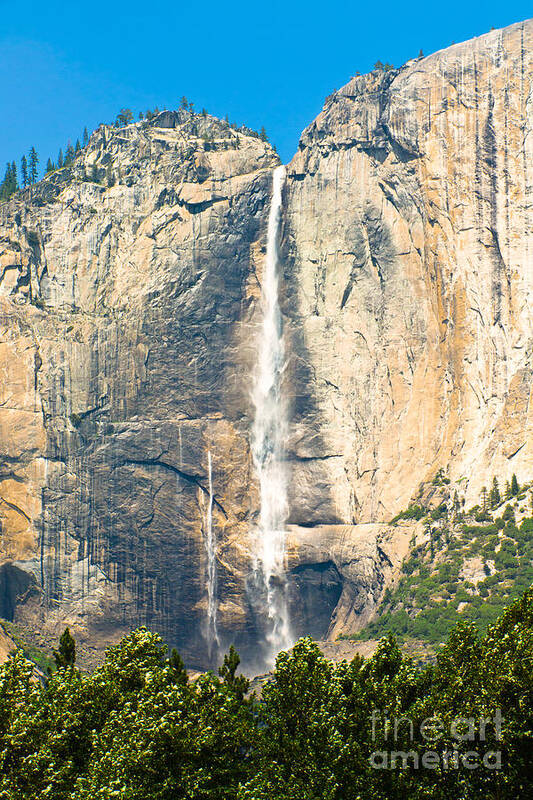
<point>413,512</point>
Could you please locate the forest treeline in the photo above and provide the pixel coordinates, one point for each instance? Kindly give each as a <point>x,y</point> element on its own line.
<point>385,728</point>
<point>29,172</point>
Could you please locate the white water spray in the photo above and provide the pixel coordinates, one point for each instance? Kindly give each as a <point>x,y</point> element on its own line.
<point>211,550</point>
<point>268,442</point>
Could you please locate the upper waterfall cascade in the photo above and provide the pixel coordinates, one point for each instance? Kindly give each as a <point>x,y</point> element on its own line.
<point>269,434</point>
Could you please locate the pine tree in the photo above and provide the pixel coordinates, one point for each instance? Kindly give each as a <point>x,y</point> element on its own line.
<point>227,672</point>
<point>507,493</point>
<point>60,162</point>
<point>24,171</point>
<point>456,503</point>
<point>263,134</point>
<point>69,155</point>
<point>33,161</point>
<point>3,184</point>
<point>124,117</point>
<point>515,488</point>
<point>495,497</point>
<point>85,138</point>
<point>141,115</point>
<point>9,185</point>
<point>484,498</point>
<point>77,148</point>
<point>178,668</point>
<point>49,166</point>
<point>184,103</point>
<point>65,655</point>
<point>14,180</point>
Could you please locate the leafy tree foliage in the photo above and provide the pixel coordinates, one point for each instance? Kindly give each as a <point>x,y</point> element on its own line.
<point>138,728</point>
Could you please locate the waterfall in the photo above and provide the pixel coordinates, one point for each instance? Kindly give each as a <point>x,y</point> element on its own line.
<point>211,551</point>
<point>268,444</point>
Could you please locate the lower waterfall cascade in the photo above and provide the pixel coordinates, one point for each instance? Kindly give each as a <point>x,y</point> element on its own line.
<point>211,552</point>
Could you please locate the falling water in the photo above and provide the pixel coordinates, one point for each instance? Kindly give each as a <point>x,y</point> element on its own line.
<point>211,550</point>
<point>268,443</point>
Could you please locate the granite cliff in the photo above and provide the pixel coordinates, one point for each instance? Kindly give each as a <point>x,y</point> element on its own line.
<point>129,289</point>
<point>409,270</point>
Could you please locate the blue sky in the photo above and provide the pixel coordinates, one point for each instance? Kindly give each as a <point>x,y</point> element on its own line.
<point>67,65</point>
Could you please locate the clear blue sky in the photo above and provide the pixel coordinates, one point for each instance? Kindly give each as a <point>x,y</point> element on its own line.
<point>67,65</point>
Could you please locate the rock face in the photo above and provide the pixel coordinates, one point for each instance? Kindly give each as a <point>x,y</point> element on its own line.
<point>128,288</point>
<point>128,308</point>
<point>409,280</point>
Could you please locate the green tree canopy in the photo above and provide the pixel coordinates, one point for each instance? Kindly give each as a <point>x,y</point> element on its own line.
<point>138,728</point>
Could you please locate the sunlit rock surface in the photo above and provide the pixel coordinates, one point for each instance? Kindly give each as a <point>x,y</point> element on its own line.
<point>409,280</point>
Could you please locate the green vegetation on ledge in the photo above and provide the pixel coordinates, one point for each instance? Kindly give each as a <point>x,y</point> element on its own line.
<point>465,566</point>
<point>37,655</point>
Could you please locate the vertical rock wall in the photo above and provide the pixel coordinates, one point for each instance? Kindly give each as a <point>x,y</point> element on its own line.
<point>127,293</point>
<point>409,280</point>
